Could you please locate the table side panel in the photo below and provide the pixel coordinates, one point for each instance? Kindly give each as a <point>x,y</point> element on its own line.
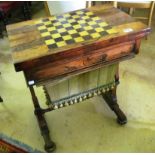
<point>98,57</point>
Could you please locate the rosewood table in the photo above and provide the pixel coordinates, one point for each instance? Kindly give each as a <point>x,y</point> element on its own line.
<point>75,56</point>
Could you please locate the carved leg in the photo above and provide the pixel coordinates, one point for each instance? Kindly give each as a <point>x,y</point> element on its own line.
<point>49,144</point>
<point>111,99</point>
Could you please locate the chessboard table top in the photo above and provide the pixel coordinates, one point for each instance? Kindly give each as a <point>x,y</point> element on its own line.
<point>33,39</point>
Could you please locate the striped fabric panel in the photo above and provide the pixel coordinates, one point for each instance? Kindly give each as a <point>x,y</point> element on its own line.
<point>82,83</point>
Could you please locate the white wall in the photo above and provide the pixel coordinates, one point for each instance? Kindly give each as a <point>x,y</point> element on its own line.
<point>58,7</point>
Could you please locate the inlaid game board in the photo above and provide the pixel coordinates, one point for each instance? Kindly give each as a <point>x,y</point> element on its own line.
<point>74,27</point>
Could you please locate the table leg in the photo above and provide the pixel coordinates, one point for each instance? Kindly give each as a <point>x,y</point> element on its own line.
<point>111,99</point>
<point>49,144</point>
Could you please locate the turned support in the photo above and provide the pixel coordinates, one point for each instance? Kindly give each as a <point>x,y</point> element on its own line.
<point>39,113</point>
<point>111,99</point>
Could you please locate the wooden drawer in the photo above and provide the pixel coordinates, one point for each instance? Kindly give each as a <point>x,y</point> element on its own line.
<point>96,58</point>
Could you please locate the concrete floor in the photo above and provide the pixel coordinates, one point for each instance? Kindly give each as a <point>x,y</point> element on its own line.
<point>89,126</point>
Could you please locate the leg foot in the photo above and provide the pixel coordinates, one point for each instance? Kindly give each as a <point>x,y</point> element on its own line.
<point>49,144</point>
<point>121,118</point>
<point>111,100</point>
<point>39,113</point>
<point>1,100</point>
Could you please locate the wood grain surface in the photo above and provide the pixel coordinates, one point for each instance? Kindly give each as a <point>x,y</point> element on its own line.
<point>39,63</point>
<point>26,42</point>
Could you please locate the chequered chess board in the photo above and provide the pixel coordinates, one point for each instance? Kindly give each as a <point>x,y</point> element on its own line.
<point>71,28</point>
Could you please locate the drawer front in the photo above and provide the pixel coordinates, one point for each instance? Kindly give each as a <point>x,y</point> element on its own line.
<point>98,57</point>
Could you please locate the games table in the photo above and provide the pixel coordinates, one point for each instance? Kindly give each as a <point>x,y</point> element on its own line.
<point>75,56</point>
